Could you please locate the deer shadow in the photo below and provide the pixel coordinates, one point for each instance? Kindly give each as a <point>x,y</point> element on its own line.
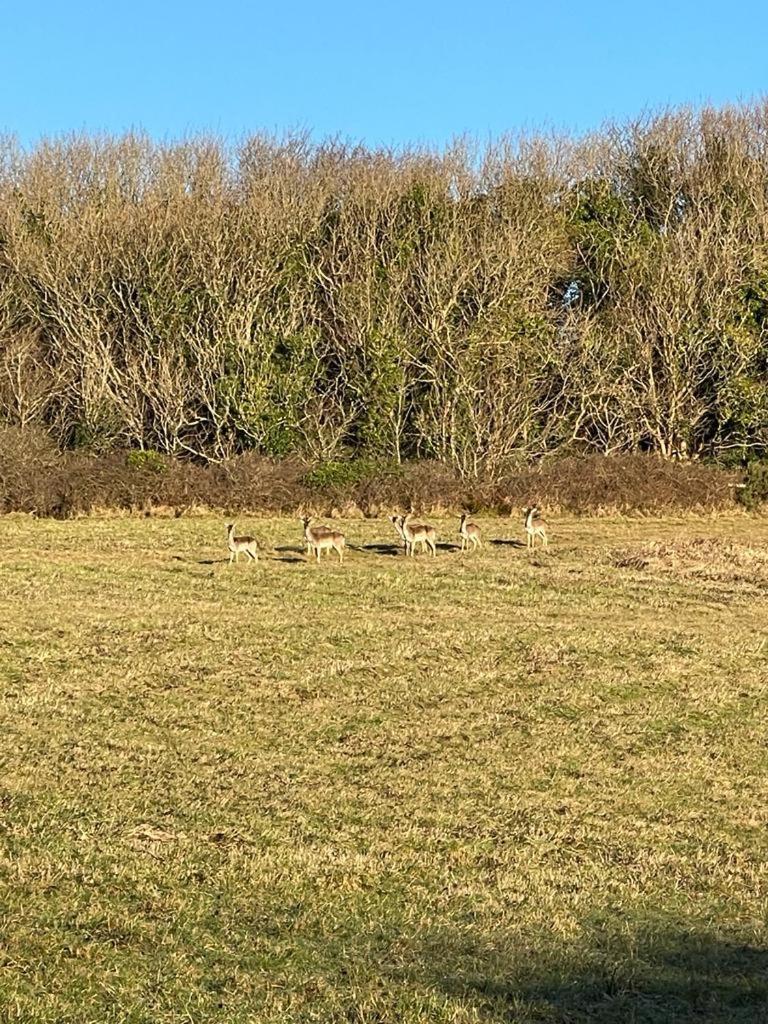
<point>383,548</point>
<point>200,561</point>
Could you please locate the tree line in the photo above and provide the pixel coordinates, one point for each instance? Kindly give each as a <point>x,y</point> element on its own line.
<point>476,305</point>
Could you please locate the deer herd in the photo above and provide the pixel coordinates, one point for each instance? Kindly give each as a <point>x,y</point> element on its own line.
<point>412,534</point>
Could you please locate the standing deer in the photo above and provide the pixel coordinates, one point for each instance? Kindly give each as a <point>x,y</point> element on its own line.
<point>323,538</point>
<point>535,527</point>
<point>469,532</point>
<point>397,522</point>
<point>236,545</point>
<point>418,533</point>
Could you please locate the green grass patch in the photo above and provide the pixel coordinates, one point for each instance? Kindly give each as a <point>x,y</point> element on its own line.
<point>474,788</point>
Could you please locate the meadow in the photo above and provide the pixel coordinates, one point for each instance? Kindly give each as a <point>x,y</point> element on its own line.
<point>476,788</point>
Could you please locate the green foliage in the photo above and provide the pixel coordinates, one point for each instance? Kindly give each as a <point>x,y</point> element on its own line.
<point>754,493</point>
<point>337,474</point>
<point>97,436</point>
<point>607,235</point>
<point>743,407</point>
<point>754,299</point>
<point>146,461</point>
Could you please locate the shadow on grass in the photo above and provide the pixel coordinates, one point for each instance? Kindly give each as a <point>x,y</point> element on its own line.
<point>383,548</point>
<point>653,977</point>
<point>200,561</point>
<point>503,542</point>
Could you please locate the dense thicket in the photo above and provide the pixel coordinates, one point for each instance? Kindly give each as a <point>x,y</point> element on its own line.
<point>607,294</point>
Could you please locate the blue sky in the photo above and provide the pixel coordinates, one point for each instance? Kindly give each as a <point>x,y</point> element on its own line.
<point>389,73</point>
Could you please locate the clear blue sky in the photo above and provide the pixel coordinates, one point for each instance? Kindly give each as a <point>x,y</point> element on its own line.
<point>387,72</point>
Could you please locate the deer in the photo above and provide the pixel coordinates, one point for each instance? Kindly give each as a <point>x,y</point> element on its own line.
<point>418,533</point>
<point>323,538</point>
<point>535,527</point>
<point>236,545</point>
<point>469,533</point>
<point>397,522</point>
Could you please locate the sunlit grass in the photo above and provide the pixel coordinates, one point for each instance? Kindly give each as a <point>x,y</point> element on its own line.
<point>486,787</point>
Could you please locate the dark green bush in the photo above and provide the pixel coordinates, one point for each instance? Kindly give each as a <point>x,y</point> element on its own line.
<point>337,475</point>
<point>754,491</point>
<point>148,461</point>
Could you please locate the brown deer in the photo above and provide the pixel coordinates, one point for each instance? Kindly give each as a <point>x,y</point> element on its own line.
<point>535,527</point>
<point>236,545</point>
<point>469,533</point>
<point>418,533</point>
<point>323,538</point>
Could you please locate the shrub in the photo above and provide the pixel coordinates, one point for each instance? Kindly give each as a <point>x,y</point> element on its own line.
<point>754,490</point>
<point>36,477</point>
<point>149,461</point>
<point>363,483</point>
<point>623,483</point>
<point>29,463</point>
<point>336,474</point>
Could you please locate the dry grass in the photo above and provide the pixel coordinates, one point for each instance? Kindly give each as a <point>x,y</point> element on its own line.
<point>476,788</point>
<point>705,557</point>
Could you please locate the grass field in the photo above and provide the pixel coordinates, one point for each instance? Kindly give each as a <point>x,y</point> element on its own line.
<point>474,788</point>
